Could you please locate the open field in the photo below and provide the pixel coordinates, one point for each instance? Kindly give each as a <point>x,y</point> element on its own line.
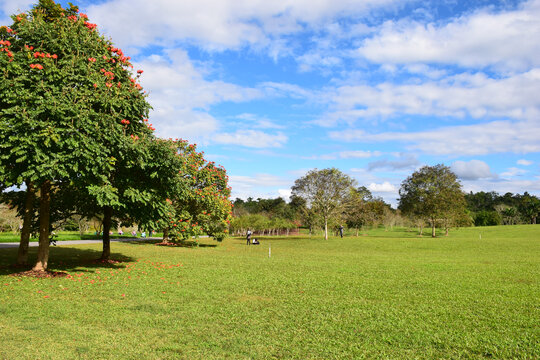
<point>386,295</point>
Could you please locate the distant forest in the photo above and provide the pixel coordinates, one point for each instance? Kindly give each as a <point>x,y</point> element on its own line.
<point>483,209</point>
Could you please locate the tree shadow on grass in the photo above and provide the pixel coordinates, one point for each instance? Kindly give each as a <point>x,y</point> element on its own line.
<point>63,259</point>
<point>187,244</point>
<point>142,242</point>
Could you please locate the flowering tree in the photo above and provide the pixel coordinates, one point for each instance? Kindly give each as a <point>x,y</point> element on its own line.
<point>69,107</point>
<point>201,205</point>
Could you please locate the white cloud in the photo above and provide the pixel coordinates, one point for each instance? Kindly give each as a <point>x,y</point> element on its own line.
<point>477,139</point>
<point>525,162</point>
<point>251,138</point>
<point>181,96</point>
<point>219,25</point>
<point>285,194</point>
<point>513,172</point>
<point>405,161</point>
<point>503,186</point>
<point>259,122</point>
<point>259,185</point>
<point>359,154</point>
<point>506,40</point>
<point>474,95</point>
<point>384,187</point>
<point>472,170</point>
<point>10,7</point>
<point>353,154</point>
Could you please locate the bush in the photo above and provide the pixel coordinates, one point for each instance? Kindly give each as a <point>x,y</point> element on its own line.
<point>487,218</point>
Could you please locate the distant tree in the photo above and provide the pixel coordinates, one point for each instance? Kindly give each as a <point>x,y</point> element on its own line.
<point>482,201</point>
<point>530,207</point>
<point>325,192</point>
<point>432,193</point>
<point>487,218</point>
<point>355,214</point>
<point>307,216</point>
<point>509,214</point>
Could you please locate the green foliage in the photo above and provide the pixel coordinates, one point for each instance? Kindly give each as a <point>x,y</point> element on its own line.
<point>65,96</point>
<point>487,218</point>
<point>201,202</point>
<point>261,223</point>
<point>433,193</point>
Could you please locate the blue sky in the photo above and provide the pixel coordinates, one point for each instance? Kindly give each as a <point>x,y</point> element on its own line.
<point>376,88</point>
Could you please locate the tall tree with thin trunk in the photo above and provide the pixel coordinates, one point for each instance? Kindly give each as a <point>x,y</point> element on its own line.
<point>326,193</point>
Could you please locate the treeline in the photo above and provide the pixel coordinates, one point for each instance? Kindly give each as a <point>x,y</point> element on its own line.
<point>278,217</point>
<point>432,196</point>
<point>264,217</point>
<point>490,208</point>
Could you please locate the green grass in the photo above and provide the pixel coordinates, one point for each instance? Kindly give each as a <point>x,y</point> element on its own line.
<point>386,295</point>
<point>68,235</point>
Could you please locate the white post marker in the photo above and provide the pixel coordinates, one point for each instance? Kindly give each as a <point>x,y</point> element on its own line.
<point>269,250</point>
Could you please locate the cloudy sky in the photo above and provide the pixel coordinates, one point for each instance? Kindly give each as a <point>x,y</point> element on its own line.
<point>376,88</point>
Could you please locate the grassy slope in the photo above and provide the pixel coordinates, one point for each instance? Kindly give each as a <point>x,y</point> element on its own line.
<point>387,295</point>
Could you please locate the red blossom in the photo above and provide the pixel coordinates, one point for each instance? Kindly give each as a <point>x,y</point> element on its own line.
<point>90,26</point>
<point>139,71</point>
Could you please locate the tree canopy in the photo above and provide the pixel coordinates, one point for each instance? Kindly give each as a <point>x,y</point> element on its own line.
<point>325,192</point>
<point>432,193</point>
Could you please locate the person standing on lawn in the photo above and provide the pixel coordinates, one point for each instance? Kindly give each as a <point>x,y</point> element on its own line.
<point>248,237</point>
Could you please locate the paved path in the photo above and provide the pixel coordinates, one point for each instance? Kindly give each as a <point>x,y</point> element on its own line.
<point>73,242</point>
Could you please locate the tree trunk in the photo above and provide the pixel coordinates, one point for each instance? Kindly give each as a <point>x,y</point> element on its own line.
<point>433,228</point>
<point>107,219</point>
<point>357,231</point>
<point>22,256</point>
<point>166,234</point>
<point>44,219</point>
<point>325,229</point>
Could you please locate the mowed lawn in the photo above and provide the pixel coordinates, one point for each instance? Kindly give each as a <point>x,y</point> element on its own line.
<point>386,295</point>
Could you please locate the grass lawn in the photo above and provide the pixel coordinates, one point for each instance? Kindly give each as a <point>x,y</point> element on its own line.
<point>385,295</point>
